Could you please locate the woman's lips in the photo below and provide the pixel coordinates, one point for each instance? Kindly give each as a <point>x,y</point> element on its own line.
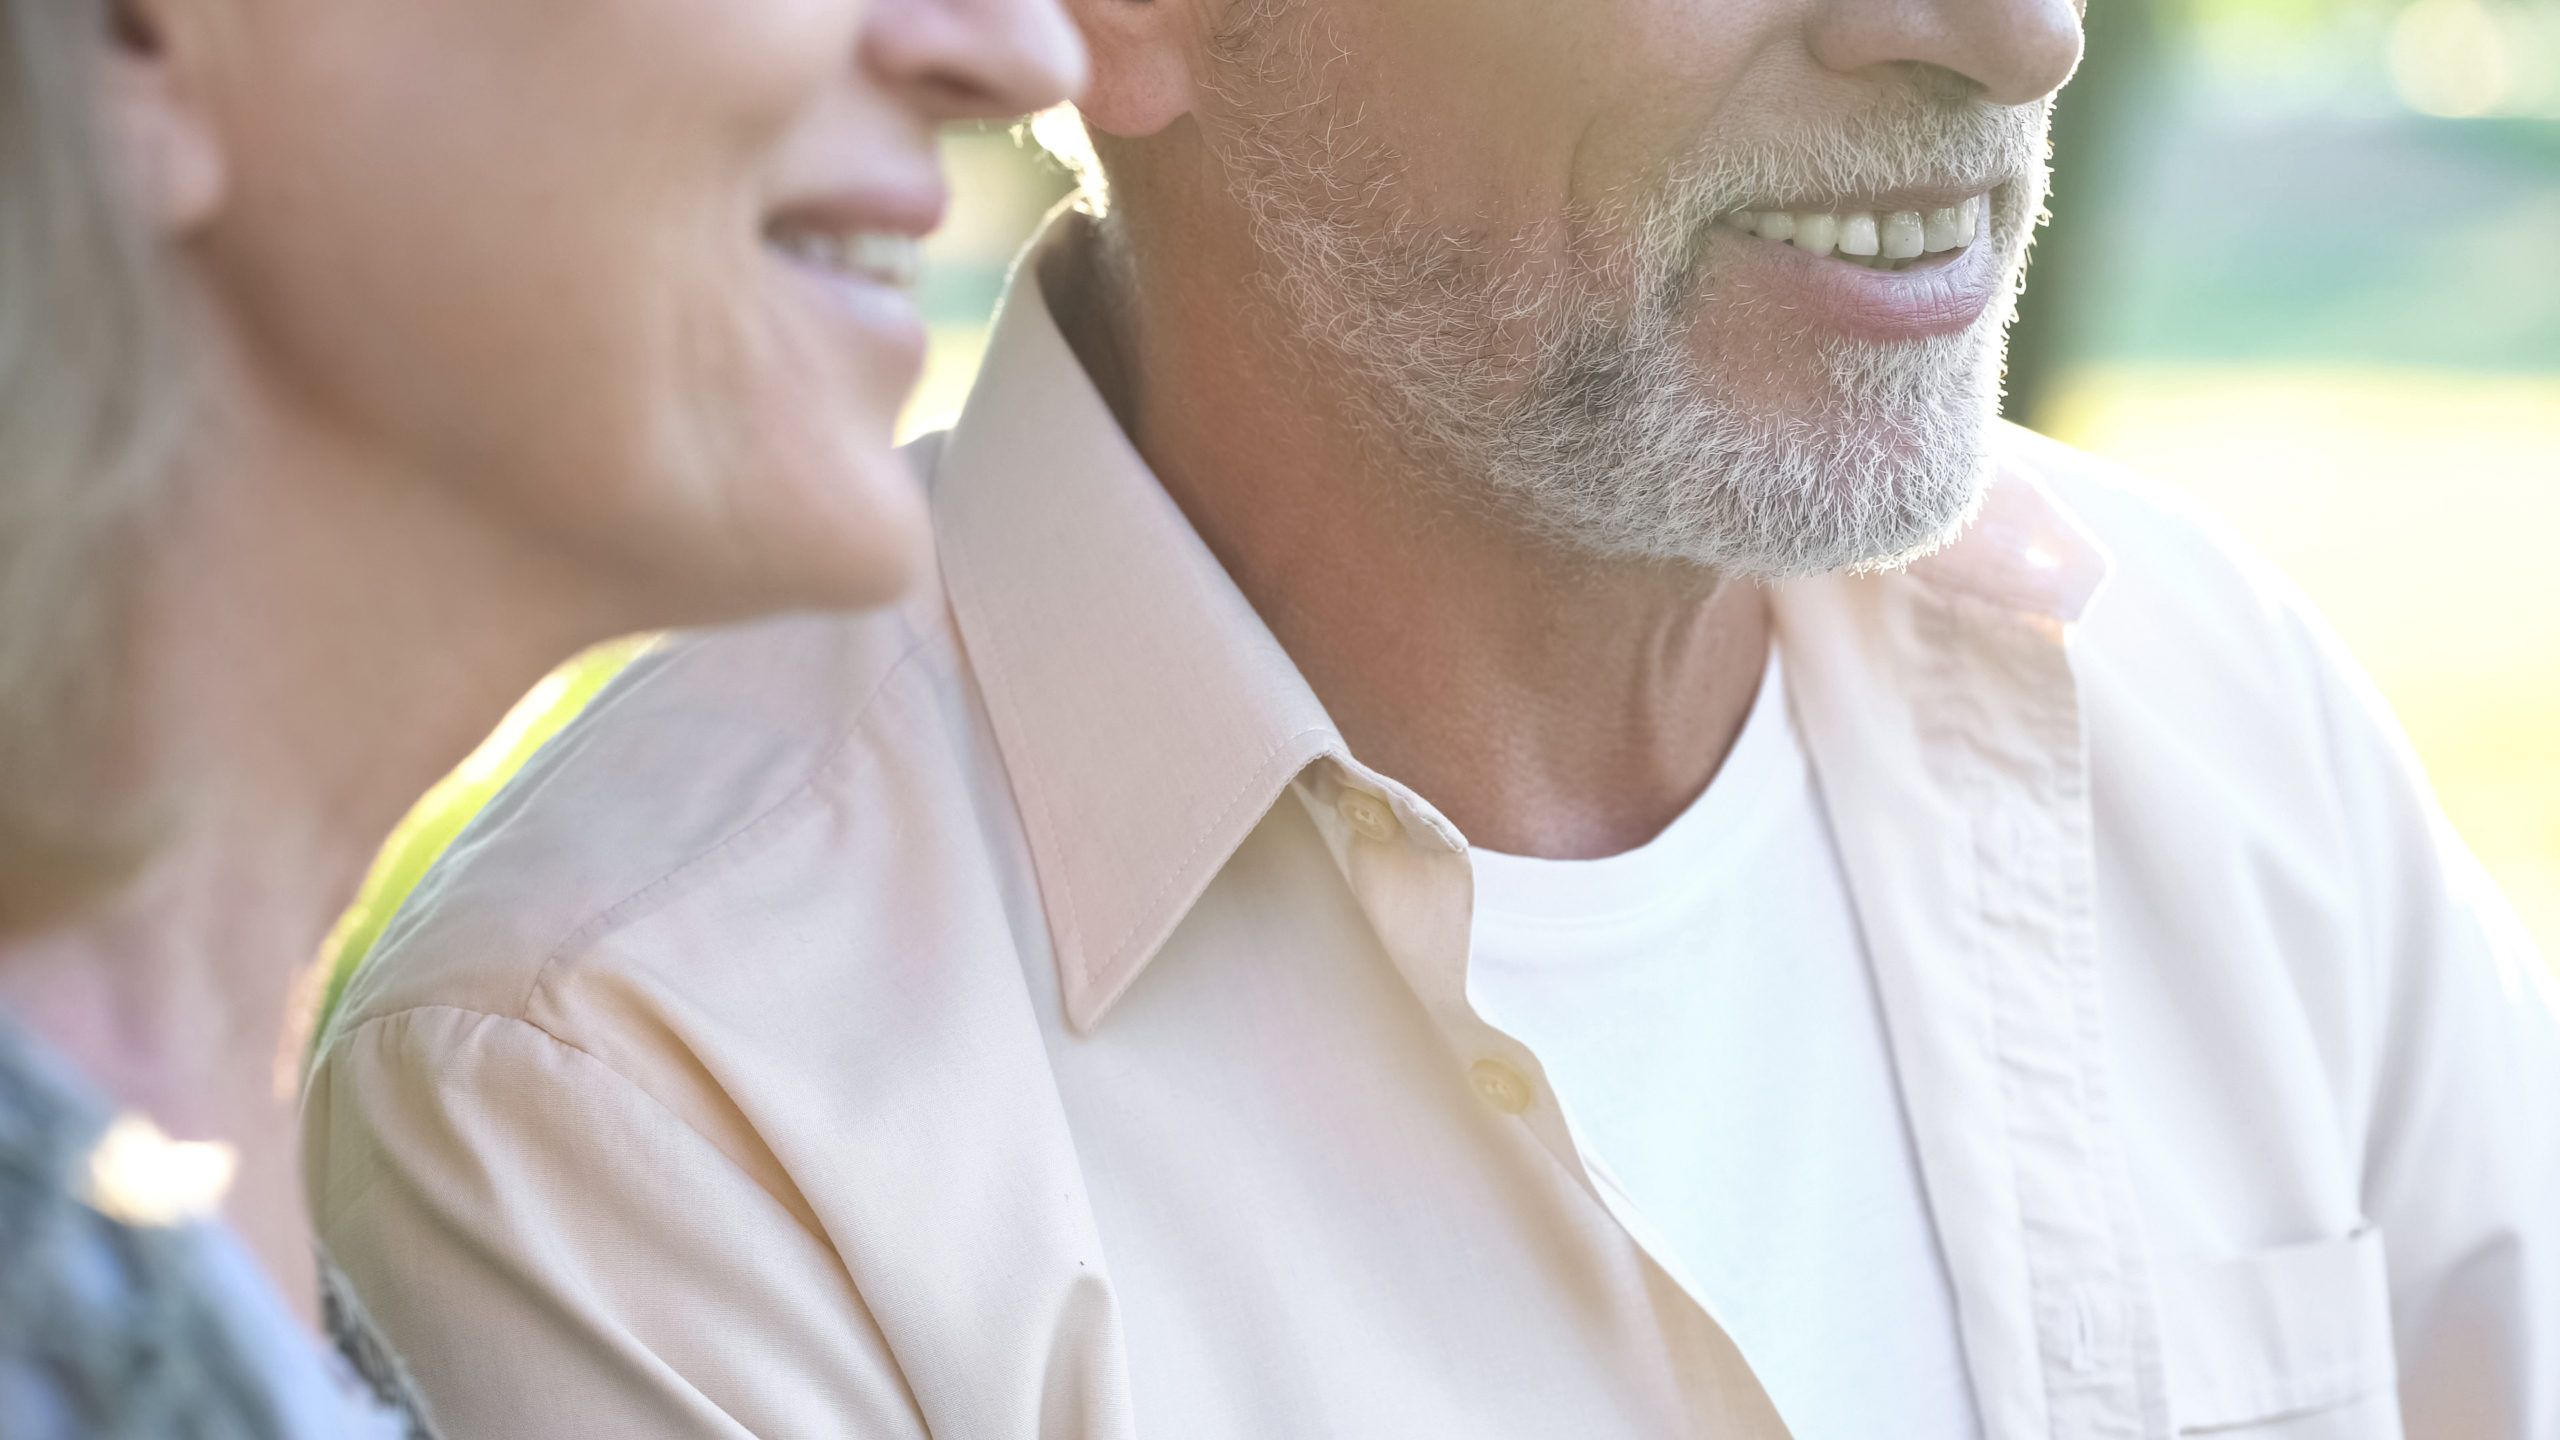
<point>864,296</point>
<point>858,253</point>
<point>883,257</point>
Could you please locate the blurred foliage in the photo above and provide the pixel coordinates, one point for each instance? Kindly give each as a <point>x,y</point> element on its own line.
<point>2300,269</point>
<point>440,815</point>
<point>2437,57</point>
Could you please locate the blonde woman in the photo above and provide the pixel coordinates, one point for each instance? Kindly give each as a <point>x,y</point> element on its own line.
<point>358,363</point>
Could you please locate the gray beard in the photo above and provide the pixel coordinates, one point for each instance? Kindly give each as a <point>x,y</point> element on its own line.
<point>1573,406</point>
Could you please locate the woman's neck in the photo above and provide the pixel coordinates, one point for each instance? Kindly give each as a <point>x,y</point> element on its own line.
<point>325,638</point>
<point>176,1003</point>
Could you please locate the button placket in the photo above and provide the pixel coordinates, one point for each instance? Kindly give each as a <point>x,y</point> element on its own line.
<point>1413,879</point>
<point>2022,764</point>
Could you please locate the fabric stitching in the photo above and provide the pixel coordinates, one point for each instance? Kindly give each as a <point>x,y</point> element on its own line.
<point>1236,803</point>
<point>999,691</point>
<point>997,687</point>
<point>634,1086</point>
<point>587,933</point>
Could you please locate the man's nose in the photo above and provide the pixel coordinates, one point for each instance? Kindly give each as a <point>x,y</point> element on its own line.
<point>2015,51</point>
<point>975,59</point>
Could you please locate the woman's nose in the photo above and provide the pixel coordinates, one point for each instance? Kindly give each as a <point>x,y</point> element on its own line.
<point>975,59</point>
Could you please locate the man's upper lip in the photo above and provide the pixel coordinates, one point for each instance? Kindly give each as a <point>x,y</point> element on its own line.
<point>914,208</point>
<point>1937,195</point>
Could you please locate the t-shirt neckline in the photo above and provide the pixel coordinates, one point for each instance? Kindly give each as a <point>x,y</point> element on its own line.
<point>1717,830</point>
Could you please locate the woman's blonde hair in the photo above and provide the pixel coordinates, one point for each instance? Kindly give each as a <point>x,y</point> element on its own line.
<point>88,411</point>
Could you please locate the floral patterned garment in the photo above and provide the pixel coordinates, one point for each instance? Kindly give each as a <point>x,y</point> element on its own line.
<point>131,1331</point>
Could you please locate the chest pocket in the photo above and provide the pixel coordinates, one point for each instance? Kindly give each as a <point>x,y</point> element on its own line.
<point>2292,1343</point>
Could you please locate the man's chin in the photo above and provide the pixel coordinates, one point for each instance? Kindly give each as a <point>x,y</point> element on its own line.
<point>1921,533</point>
<point>1850,498</point>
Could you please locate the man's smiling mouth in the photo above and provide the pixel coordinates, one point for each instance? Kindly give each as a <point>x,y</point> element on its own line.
<point>1871,238</point>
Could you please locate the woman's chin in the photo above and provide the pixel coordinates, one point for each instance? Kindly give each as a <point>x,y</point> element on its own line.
<point>865,541</point>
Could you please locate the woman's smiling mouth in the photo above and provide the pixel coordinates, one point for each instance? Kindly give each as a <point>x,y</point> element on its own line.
<point>883,257</point>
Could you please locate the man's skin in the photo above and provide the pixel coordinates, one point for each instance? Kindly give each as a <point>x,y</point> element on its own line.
<point>1575,704</point>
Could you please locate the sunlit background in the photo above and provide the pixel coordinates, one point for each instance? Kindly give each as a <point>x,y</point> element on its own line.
<point>2305,266</point>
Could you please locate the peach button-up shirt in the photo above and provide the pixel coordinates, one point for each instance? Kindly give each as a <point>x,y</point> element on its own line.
<point>1019,1014</point>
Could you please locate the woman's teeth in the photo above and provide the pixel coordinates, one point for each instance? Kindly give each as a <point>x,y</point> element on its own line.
<point>1877,240</point>
<point>876,255</point>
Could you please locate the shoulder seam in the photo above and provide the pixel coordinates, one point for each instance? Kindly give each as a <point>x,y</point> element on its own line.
<point>634,1086</point>
<point>603,922</point>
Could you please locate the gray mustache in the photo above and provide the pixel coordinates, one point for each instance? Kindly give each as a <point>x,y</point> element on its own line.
<point>1918,144</point>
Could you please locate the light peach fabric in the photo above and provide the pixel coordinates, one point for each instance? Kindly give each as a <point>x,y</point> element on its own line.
<point>1019,1015</point>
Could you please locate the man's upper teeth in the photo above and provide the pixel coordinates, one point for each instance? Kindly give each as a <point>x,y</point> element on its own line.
<point>874,254</point>
<point>1885,234</point>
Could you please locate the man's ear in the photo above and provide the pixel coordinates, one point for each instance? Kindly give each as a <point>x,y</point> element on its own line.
<point>1141,63</point>
<point>159,125</point>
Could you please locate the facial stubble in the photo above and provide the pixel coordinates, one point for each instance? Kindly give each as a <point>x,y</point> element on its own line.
<point>1557,378</point>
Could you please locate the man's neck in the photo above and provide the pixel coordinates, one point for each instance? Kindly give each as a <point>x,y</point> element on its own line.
<point>1549,703</point>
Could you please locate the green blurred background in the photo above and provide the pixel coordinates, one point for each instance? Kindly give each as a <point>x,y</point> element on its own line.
<point>2304,265</point>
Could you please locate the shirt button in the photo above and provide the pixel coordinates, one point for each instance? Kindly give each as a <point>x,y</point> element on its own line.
<point>1500,1086</point>
<point>1368,815</point>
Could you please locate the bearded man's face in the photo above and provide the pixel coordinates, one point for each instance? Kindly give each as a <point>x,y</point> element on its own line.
<point>1696,281</point>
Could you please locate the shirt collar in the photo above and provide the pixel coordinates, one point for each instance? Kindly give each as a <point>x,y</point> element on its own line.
<point>1147,717</point>
<point>2024,551</point>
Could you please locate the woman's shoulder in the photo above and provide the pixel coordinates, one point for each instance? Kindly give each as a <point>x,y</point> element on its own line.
<point>112,1326</point>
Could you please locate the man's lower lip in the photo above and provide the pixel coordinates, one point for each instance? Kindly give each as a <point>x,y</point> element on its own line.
<point>1856,302</point>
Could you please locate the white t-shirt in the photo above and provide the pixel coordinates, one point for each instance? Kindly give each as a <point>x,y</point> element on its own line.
<point>1705,1012</point>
